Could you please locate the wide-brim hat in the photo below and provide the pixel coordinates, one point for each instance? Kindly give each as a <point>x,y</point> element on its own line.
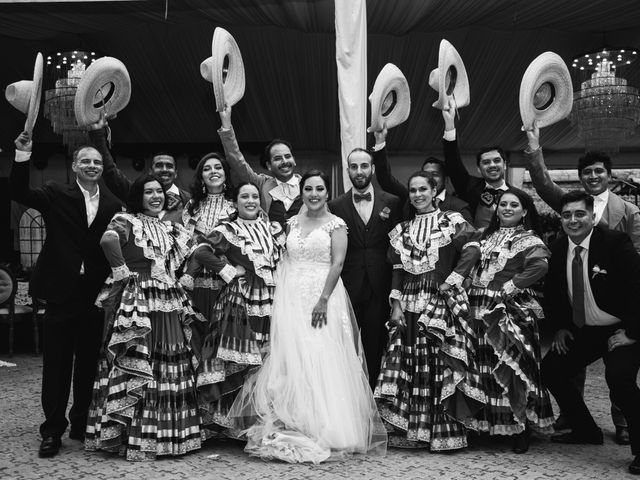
<point>224,69</point>
<point>25,95</point>
<point>546,94</point>
<point>390,99</point>
<point>104,87</point>
<point>450,78</point>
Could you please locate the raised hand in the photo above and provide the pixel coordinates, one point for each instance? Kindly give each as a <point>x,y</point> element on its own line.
<point>449,115</point>
<point>533,136</point>
<point>225,117</point>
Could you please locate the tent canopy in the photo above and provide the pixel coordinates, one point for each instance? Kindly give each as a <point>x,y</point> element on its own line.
<point>288,48</point>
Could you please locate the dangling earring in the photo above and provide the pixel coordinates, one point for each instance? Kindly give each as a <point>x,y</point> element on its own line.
<point>224,186</point>
<point>204,189</point>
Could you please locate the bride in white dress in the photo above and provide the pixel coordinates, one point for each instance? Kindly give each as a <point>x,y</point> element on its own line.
<point>310,400</point>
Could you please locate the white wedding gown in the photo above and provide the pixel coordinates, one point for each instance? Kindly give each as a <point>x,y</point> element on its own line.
<point>310,400</point>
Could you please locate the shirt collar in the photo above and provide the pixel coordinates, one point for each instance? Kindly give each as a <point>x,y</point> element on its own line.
<point>369,189</point>
<point>584,244</point>
<point>501,187</point>
<point>173,189</point>
<point>602,197</point>
<point>293,181</point>
<point>441,195</point>
<point>86,193</point>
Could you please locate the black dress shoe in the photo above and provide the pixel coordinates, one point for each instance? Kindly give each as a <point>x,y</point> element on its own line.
<point>590,438</point>
<point>622,436</point>
<point>73,435</point>
<point>521,442</point>
<point>634,468</point>
<point>49,447</point>
<point>561,423</point>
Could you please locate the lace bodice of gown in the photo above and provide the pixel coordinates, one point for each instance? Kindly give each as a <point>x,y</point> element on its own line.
<point>314,247</point>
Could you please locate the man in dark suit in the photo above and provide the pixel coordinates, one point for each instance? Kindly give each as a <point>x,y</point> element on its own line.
<point>163,166</point>
<point>481,193</point>
<point>592,299</point>
<point>70,270</point>
<point>434,166</point>
<point>370,214</point>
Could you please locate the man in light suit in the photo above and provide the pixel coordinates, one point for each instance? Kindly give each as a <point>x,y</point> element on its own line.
<point>594,170</point>
<point>280,193</point>
<point>434,166</point>
<point>592,299</point>
<point>69,273</point>
<point>370,214</point>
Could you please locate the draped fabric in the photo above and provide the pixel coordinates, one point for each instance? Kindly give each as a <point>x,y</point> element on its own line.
<point>288,48</point>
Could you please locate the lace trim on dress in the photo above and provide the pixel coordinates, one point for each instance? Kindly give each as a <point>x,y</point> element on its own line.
<point>212,211</point>
<point>328,227</point>
<point>498,248</point>
<point>418,241</point>
<point>260,241</point>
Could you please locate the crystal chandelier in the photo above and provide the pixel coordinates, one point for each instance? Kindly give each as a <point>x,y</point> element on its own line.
<point>606,110</point>
<point>64,70</point>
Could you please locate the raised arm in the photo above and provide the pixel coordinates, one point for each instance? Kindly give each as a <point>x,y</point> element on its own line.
<point>239,166</point>
<point>338,252</point>
<point>548,190</point>
<point>20,191</point>
<point>387,181</point>
<point>456,170</point>
<point>117,181</point>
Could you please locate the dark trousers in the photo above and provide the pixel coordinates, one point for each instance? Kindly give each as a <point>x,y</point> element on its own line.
<point>372,312</point>
<point>621,370</point>
<point>72,335</point>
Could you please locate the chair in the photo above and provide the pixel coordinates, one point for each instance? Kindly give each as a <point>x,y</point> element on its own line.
<point>9,310</point>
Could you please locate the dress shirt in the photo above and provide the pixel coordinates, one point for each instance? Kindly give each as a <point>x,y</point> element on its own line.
<point>593,315</point>
<point>286,192</point>
<point>174,190</point>
<point>91,202</point>
<point>363,207</point>
<point>599,204</point>
<point>440,197</point>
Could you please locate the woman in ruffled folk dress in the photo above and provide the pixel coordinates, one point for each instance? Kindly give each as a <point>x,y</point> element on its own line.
<point>210,205</point>
<point>144,400</point>
<point>244,252</point>
<point>506,314</point>
<point>311,399</point>
<point>427,387</point>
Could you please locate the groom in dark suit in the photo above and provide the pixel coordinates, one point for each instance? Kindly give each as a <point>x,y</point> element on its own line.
<point>592,296</point>
<point>370,214</point>
<point>70,270</point>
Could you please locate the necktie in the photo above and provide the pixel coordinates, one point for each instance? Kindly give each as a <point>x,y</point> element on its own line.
<point>358,197</point>
<point>489,196</point>
<point>577,283</point>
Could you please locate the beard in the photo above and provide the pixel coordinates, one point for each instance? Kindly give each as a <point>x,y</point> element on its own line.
<point>361,182</point>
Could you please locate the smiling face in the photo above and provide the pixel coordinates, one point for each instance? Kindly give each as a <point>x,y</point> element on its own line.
<point>492,166</point>
<point>595,178</point>
<point>510,211</point>
<point>164,167</point>
<point>577,220</point>
<point>435,171</point>
<point>421,194</point>
<point>281,162</point>
<point>88,165</point>
<point>314,194</point>
<point>213,175</point>
<point>248,202</point>
<point>152,198</point>
<point>360,169</point>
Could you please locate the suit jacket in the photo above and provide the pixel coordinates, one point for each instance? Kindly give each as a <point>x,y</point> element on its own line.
<point>120,184</point>
<point>366,257</point>
<point>468,187</point>
<point>618,214</point>
<point>242,171</point>
<point>70,241</point>
<point>390,184</point>
<point>616,292</point>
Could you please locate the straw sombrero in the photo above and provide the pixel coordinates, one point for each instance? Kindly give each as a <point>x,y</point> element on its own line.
<point>104,87</point>
<point>25,95</point>
<point>224,69</point>
<point>390,99</point>
<point>450,78</point>
<point>546,94</point>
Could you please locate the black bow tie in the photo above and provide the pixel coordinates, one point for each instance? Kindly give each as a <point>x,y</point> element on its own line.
<point>490,196</point>
<point>358,197</point>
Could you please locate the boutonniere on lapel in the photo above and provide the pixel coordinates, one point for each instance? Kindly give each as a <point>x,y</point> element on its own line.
<point>384,213</point>
<point>596,270</point>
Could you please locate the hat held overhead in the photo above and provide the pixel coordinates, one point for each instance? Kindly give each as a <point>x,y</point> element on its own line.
<point>25,94</point>
<point>450,78</point>
<point>546,95</point>
<point>390,99</point>
<point>224,69</point>
<point>104,87</point>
